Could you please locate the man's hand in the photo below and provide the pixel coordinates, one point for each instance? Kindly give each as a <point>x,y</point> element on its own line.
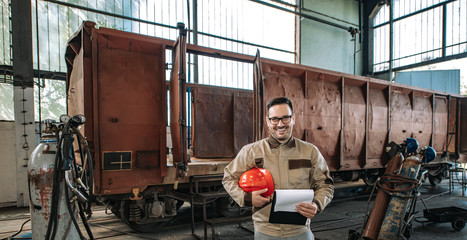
<point>307,210</point>
<point>258,200</point>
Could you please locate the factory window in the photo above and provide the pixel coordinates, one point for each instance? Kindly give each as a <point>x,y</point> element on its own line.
<point>240,26</point>
<point>6,102</point>
<point>49,100</point>
<point>5,50</point>
<point>418,32</point>
<point>233,25</point>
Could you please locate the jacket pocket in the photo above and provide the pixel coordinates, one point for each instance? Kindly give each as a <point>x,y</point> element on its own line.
<point>299,173</point>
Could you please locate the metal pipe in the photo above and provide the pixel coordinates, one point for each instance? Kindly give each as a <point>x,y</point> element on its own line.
<point>447,125</point>
<point>284,3</point>
<point>331,17</point>
<point>68,181</point>
<point>360,20</point>
<point>391,38</point>
<point>443,40</point>
<point>195,40</point>
<point>349,29</point>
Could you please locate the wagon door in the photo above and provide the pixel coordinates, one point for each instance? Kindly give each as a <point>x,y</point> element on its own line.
<point>129,111</point>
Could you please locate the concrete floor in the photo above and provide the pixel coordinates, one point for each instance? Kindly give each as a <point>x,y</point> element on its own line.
<point>346,212</point>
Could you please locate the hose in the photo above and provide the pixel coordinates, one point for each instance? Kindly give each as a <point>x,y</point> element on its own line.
<point>72,215</point>
<point>397,179</point>
<point>65,168</point>
<point>85,221</point>
<point>51,227</point>
<point>20,229</point>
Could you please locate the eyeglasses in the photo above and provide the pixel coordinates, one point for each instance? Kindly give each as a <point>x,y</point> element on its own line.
<point>285,119</point>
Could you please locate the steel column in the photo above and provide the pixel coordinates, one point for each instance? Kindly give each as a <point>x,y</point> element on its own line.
<point>23,92</point>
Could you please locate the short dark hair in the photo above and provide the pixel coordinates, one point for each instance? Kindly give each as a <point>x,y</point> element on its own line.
<point>277,101</point>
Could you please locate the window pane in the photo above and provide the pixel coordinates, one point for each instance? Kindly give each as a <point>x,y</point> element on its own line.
<point>6,102</point>
<point>52,100</point>
<point>418,38</point>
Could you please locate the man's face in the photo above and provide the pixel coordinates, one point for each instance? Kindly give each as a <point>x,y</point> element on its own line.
<point>280,131</point>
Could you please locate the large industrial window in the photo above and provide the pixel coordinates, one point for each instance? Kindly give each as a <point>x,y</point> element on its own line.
<point>419,32</point>
<point>6,102</point>
<point>5,50</point>
<point>49,100</point>
<point>234,25</point>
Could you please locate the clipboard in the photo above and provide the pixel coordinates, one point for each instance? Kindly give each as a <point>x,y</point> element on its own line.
<point>285,217</point>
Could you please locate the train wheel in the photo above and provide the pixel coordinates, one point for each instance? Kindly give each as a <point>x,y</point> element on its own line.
<point>371,176</point>
<point>227,207</point>
<point>370,179</point>
<point>349,175</point>
<point>458,223</point>
<point>114,207</point>
<point>148,227</point>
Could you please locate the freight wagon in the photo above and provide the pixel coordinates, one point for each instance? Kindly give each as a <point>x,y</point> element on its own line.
<point>144,170</point>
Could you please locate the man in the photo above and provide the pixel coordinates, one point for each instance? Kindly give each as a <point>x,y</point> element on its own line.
<point>293,164</point>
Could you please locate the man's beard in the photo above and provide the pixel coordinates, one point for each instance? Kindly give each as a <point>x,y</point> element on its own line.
<point>281,137</point>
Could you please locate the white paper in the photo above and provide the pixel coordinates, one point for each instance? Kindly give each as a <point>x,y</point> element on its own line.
<point>287,199</point>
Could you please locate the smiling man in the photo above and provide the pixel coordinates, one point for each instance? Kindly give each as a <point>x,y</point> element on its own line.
<point>293,164</point>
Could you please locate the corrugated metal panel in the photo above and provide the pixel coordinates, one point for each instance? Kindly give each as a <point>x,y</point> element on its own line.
<point>439,80</point>
<point>222,121</point>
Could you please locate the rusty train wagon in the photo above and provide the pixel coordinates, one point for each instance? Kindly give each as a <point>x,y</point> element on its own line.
<point>352,119</point>
<point>118,81</point>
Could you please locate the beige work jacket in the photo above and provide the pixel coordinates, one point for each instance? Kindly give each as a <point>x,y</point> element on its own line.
<point>295,164</point>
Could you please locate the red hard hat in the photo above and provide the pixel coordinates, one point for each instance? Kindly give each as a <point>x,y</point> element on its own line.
<point>256,179</point>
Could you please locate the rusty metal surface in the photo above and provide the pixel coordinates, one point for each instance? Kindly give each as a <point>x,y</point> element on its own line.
<point>76,87</point>
<point>463,126</point>
<point>452,120</point>
<point>131,112</point>
<point>396,210</point>
<point>401,115</point>
<point>350,119</point>
<point>354,126</point>
<point>243,119</point>
<point>375,219</point>
<point>122,91</point>
<point>377,126</point>
<point>258,105</point>
<point>178,103</point>
<point>222,121</point>
<point>440,119</point>
<point>422,120</point>
<point>78,56</point>
<point>317,106</point>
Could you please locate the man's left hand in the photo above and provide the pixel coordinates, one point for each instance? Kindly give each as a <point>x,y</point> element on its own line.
<point>307,210</point>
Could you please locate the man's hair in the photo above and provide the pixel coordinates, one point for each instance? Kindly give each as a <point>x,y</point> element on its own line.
<point>277,101</point>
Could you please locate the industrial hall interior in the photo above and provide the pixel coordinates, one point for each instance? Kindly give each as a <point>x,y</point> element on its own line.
<point>233,119</point>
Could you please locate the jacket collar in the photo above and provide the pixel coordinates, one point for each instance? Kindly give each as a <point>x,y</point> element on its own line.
<point>273,143</point>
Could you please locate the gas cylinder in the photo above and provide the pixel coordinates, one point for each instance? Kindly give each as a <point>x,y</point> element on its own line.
<point>40,177</point>
<point>396,210</point>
